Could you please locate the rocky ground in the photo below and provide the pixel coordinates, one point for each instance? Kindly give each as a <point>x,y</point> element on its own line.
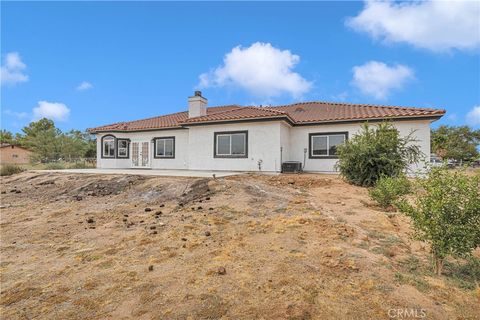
<point>78,246</point>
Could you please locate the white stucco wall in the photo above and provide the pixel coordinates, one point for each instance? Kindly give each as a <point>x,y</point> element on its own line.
<point>181,149</point>
<point>299,141</point>
<point>194,147</point>
<point>285,141</point>
<point>263,144</point>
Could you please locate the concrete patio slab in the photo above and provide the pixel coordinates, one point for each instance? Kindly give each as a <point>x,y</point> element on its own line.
<point>152,172</point>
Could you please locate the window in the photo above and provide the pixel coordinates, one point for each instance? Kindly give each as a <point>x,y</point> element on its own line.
<point>165,147</point>
<point>324,145</point>
<point>232,144</point>
<point>108,147</point>
<point>122,148</point>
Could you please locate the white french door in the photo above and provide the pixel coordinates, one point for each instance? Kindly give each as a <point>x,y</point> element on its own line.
<point>141,154</point>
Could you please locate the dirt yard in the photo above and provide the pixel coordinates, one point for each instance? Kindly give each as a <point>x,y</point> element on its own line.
<point>78,246</point>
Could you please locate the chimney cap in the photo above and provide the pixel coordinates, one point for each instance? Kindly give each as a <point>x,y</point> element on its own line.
<point>198,93</point>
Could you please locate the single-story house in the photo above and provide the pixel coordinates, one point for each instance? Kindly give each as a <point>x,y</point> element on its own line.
<point>13,154</point>
<point>250,138</point>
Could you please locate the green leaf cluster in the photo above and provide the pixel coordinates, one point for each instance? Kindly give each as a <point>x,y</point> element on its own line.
<point>445,213</point>
<point>374,152</point>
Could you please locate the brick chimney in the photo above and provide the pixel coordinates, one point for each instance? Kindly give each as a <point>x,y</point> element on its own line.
<point>197,105</point>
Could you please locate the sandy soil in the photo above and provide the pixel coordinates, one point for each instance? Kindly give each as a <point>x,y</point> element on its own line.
<point>79,246</point>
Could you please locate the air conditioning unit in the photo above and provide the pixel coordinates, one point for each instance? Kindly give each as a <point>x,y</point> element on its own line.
<point>291,167</point>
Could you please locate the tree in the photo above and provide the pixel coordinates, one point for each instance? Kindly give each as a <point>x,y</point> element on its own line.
<point>50,143</point>
<point>376,152</point>
<point>6,137</point>
<point>459,143</point>
<point>42,137</point>
<point>446,214</point>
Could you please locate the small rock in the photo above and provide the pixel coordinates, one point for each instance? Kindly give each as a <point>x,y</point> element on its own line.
<point>79,198</point>
<point>153,227</point>
<point>221,271</point>
<point>162,205</point>
<point>199,208</point>
<point>142,221</point>
<point>184,239</point>
<point>148,209</point>
<point>210,208</point>
<point>158,213</point>
<point>4,192</point>
<point>154,232</point>
<point>207,233</point>
<point>18,191</point>
<point>90,220</point>
<point>207,198</point>
<point>125,215</point>
<point>150,268</point>
<point>124,219</point>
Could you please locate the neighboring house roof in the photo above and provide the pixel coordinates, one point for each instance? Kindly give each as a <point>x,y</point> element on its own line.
<point>6,145</point>
<point>295,114</point>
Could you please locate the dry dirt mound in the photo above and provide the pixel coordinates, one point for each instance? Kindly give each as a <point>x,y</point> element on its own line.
<point>246,247</point>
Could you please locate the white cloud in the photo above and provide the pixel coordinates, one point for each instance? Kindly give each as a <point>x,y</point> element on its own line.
<point>473,116</point>
<point>377,79</point>
<point>12,69</point>
<point>51,110</point>
<point>433,25</point>
<point>85,85</point>
<point>18,115</point>
<point>260,69</point>
<point>452,117</point>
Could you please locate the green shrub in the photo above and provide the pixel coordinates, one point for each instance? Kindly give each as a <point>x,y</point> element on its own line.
<point>375,152</point>
<point>446,213</point>
<point>54,166</point>
<point>9,169</point>
<point>389,189</point>
<point>78,165</point>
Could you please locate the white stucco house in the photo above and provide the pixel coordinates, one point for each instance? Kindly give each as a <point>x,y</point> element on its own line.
<point>248,138</point>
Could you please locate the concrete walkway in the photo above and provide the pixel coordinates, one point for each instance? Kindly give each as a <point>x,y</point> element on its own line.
<point>152,172</point>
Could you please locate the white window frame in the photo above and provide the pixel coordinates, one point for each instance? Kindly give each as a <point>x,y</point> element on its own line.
<point>164,140</point>
<point>229,135</point>
<point>326,135</point>
<point>109,139</point>
<point>119,155</point>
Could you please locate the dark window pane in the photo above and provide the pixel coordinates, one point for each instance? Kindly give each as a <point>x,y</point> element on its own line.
<point>319,145</point>
<point>238,144</point>
<point>109,147</point>
<point>160,147</point>
<point>223,144</point>
<point>334,141</point>
<point>112,149</point>
<point>169,147</point>
<point>122,143</point>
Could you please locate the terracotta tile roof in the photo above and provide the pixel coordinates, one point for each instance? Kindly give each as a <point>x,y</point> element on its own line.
<point>167,121</point>
<point>298,113</point>
<point>243,113</point>
<point>318,111</point>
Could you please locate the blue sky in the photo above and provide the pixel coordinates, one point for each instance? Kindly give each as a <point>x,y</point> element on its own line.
<point>93,63</point>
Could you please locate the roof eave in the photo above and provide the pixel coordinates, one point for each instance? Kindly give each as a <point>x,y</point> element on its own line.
<point>253,119</point>
<point>376,119</point>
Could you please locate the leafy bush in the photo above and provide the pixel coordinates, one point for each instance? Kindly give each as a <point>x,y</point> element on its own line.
<point>9,169</point>
<point>375,152</point>
<point>78,165</point>
<point>389,189</point>
<point>446,214</point>
<point>54,166</point>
